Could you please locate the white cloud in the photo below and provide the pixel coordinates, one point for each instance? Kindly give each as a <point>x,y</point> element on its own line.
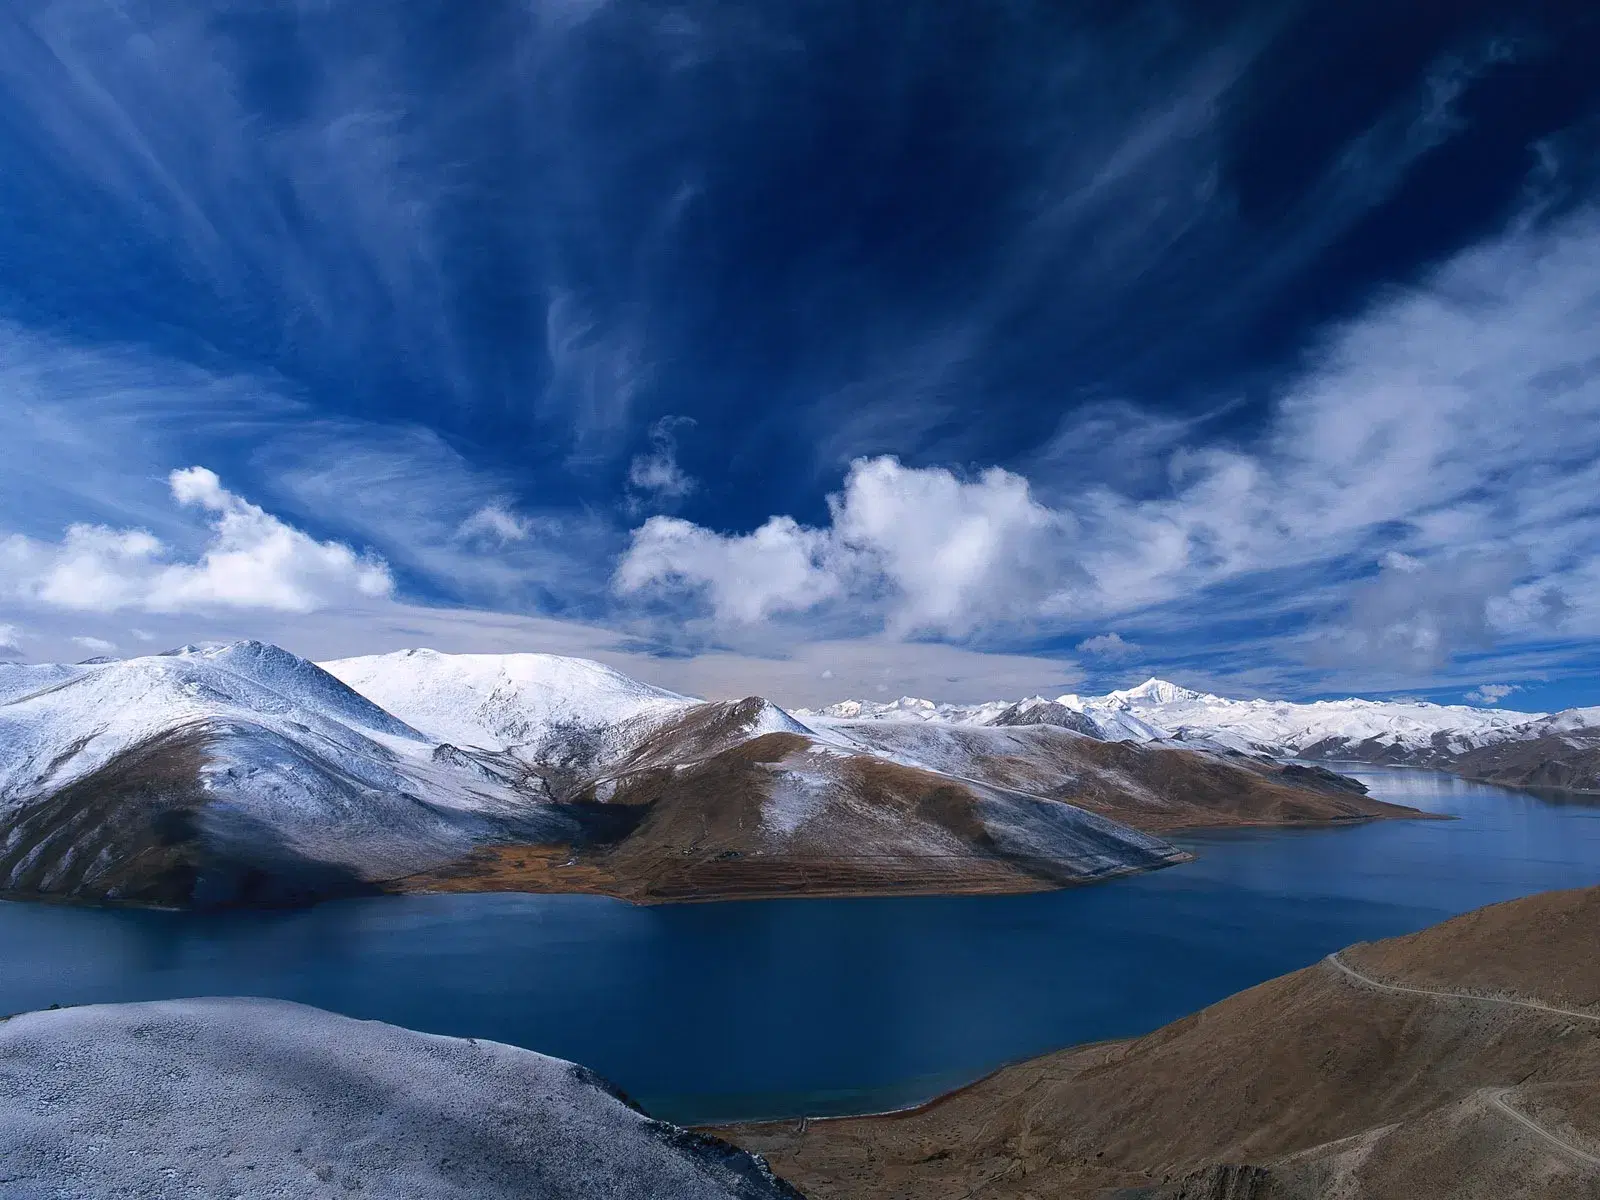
<point>781,567</point>
<point>11,639</point>
<point>958,554</point>
<point>1451,432</point>
<point>954,554</point>
<point>1110,646</point>
<point>1491,693</point>
<point>657,474</point>
<point>1416,613</point>
<point>252,560</point>
<point>95,645</point>
<point>495,523</point>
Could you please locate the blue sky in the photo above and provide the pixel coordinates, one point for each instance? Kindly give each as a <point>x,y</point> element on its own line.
<point>814,349</point>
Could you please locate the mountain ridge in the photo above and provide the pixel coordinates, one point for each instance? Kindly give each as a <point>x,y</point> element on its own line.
<point>243,774</point>
<point>1457,1062</point>
<point>1457,737</point>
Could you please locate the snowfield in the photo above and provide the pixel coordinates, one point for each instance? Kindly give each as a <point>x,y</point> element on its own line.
<point>526,704</point>
<point>240,1097</point>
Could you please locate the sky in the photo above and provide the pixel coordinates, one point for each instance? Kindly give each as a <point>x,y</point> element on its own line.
<point>812,348</point>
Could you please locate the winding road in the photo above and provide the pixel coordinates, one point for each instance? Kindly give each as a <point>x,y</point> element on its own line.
<point>1496,1097</point>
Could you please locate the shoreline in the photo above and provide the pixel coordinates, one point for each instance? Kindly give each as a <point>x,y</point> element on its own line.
<point>540,879</point>
<point>1532,788</point>
<point>922,1107</point>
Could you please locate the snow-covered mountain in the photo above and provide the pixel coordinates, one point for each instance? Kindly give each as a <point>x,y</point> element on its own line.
<point>1559,751</point>
<point>219,772</point>
<point>520,703</point>
<point>1159,711</point>
<point>245,774</point>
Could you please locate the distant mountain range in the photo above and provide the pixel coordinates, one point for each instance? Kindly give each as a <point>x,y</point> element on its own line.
<point>1498,745</point>
<point>244,774</point>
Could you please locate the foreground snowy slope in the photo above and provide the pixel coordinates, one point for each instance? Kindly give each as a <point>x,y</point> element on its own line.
<point>265,1098</point>
<point>1368,730</point>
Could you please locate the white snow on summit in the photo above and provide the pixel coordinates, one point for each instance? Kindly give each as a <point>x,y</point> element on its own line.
<point>59,723</point>
<point>503,701</point>
<point>267,741</point>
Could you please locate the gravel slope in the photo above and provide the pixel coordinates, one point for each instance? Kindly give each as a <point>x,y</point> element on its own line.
<point>261,1098</point>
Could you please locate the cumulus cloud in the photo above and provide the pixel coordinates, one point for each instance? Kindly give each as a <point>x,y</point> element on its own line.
<point>1491,693</point>
<point>94,645</point>
<point>10,639</point>
<point>1112,647</point>
<point>952,554</point>
<point>781,567</point>
<point>251,560</point>
<point>1451,434</point>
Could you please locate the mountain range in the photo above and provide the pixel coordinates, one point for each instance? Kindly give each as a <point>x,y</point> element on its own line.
<point>1493,744</point>
<point>244,774</point>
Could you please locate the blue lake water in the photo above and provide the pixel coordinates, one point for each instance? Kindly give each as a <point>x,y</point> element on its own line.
<point>776,1008</point>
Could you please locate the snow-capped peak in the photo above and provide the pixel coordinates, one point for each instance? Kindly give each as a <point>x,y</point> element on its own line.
<point>58,723</point>
<point>1156,691</point>
<point>501,701</point>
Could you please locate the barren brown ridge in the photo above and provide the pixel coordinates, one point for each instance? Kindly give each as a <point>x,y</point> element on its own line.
<point>1462,1061</point>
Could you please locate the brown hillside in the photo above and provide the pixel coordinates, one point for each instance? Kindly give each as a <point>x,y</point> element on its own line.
<point>1315,1084</point>
<point>1569,761</point>
<point>774,816</point>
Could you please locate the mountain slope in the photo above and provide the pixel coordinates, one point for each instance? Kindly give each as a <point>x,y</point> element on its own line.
<point>235,774</point>
<point>540,707</point>
<point>1421,1066</point>
<point>1560,751</point>
<point>245,775</point>
<point>244,1097</point>
<point>738,799</point>
<point>1154,788</point>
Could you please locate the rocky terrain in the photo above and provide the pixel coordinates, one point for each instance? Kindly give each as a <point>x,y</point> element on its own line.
<point>1562,751</point>
<point>266,1098</point>
<point>244,775</point>
<point>1462,1061</point>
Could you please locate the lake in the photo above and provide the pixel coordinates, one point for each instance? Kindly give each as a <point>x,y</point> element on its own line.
<point>781,1007</point>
